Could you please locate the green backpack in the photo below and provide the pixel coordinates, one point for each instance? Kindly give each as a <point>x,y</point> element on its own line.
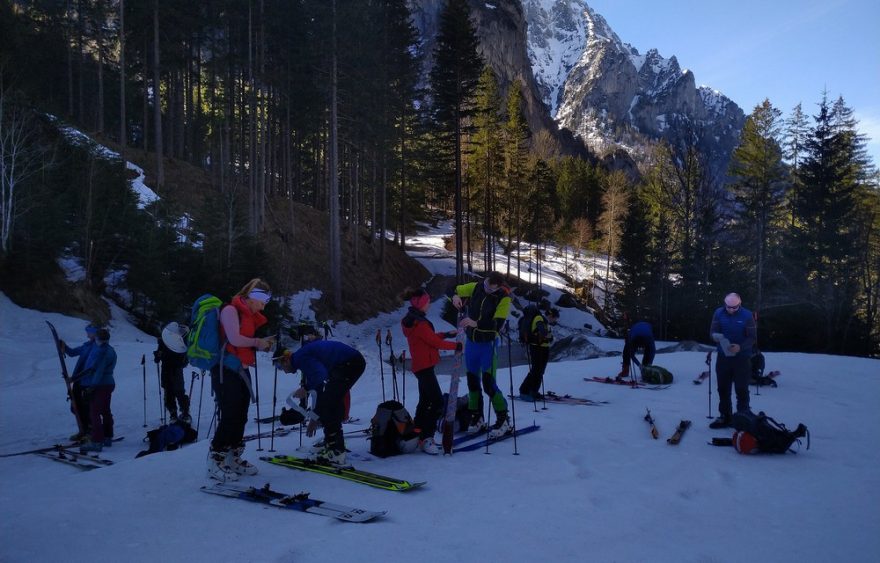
<point>656,375</point>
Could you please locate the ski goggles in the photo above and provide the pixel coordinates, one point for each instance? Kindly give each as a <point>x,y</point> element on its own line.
<point>260,295</point>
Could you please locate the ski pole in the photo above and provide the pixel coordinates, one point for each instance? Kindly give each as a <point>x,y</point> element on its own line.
<point>192,381</point>
<point>274,403</point>
<point>529,362</point>
<point>512,402</point>
<point>710,391</point>
<point>161,408</point>
<point>201,394</point>
<point>381,367</point>
<point>393,364</point>
<point>144,367</point>
<point>257,390</point>
<point>403,365</point>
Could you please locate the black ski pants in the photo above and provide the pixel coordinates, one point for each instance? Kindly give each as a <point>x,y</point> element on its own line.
<point>430,407</point>
<point>733,371</point>
<point>175,391</point>
<point>538,356</point>
<point>330,406</point>
<point>233,399</point>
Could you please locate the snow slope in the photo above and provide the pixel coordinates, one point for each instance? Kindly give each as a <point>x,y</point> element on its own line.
<point>591,485</point>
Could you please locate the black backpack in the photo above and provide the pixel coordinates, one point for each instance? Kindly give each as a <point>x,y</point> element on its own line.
<point>392,430</point>
<point>771,436</point>
<point>525,324</point>
<point>169,437</point>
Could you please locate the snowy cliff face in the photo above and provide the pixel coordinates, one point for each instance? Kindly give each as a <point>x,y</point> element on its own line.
<point>605,91</point>
<point>501,28</point>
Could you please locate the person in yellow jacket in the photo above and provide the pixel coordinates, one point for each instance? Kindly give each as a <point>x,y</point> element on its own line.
<point>539,337</point>
<point>486,310</point>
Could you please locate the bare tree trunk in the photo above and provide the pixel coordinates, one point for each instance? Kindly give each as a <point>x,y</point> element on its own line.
<point>157,101</point>
<point>67,42</point>
<point>335,247</point>
<point>146,73</point>
<point>100,39</point>
<point>123,135</point>
<point>82,61</point>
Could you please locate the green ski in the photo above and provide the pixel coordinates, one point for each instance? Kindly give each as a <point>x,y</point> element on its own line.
<point>347,473</point>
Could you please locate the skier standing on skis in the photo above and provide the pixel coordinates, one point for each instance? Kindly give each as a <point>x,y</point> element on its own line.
<point>82,403</point>
<point>239,322</point>
<point>540,337</point>
<point>173,362</point>
<point>330,368</point>
<point>640,336</point>
<point>487,310</point>
<point>733,328</point>
<point>98,384</point>
<point>424,348</point>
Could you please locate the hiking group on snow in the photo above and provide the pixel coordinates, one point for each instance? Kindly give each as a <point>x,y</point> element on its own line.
<point>222,341</point>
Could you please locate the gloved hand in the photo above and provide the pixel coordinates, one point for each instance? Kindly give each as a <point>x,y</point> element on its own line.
<point>456,301</point>
<point>157,356</point>
<point>313,426</point>
<point>468,322</point>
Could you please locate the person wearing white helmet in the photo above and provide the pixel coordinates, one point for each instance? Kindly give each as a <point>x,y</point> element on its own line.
<point>172,355</point>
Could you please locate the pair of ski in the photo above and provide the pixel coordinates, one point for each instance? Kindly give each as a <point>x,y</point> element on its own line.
<point>72,457</point>
<point>626,382</point>
<point>469,447</point>
<point>280,431</point>
<point>676,437</point>
<point>551,397</point>
<point>277,418</point>
<point>301,502</point>
<point>766,379</point>
<point>347,473</point>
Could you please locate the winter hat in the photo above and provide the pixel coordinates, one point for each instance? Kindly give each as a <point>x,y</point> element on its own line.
<point>91,329</point>
<point>420,300</point>
<point>732,300</point>
<point>744,442</point>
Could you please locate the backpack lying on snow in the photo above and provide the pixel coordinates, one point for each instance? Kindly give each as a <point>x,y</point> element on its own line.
<point>760,433</point>
<point>392,430</point>
<point>169,437</point>
<point>656,375</point>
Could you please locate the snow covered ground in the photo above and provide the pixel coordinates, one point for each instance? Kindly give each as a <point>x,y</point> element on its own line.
<point>591,485</point>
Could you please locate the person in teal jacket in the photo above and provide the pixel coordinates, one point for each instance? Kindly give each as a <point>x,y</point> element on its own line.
<point>98,384</point>
<point>733,328</point>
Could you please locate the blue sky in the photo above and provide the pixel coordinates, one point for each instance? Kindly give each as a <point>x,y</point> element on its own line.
<point>789,51</point>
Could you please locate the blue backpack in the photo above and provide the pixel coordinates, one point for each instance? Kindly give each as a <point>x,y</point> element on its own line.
<point>203,341</point>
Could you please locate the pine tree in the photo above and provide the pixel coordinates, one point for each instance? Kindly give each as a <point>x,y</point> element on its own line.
<point>454,79</point>
<point>760,182</point>
<point>516,136</point>
<point>486,163</point>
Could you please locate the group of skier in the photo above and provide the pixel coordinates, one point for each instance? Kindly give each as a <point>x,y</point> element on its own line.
<point>330,369</point>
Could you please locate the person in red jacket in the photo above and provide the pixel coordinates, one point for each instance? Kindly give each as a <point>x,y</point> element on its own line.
<point>424,349</point>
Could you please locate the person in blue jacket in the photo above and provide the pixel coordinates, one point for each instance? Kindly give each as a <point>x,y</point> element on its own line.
<point>81,406</point>
<point>330,369</point>
<point>733,328</point>
<point>98,384</point>
<point>640,336</point>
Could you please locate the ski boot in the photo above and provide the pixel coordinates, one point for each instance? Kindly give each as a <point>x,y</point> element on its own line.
<point>501,426</point>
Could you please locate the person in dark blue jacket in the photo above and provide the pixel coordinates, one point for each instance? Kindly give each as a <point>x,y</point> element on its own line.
<point>98,384</point>
<point>733,328</point>
<point>640,336</point>
<point>81,407</point>
<point>330,369</point>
